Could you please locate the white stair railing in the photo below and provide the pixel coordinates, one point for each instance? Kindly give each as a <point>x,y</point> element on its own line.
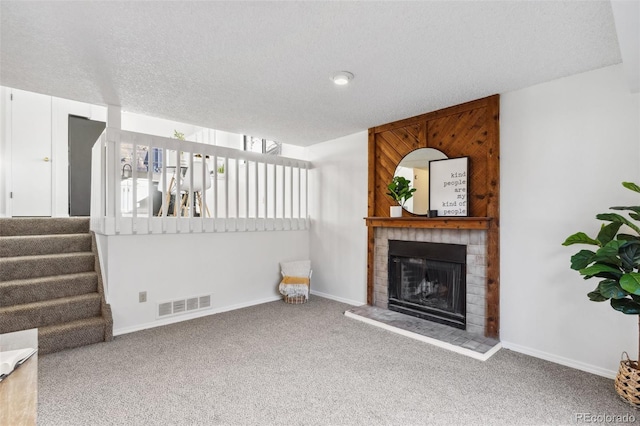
<point>144,184</point>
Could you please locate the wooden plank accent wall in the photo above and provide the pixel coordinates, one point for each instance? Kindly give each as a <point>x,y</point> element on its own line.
<point>466,130</point>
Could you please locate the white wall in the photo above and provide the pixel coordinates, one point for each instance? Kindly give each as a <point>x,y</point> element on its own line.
<point>338,205</point>
<point>293,151</point>
<point>566,146</point>
<point>155,126</point>
<point>238,268</point>
<point>236,141</point>
<point>5,149</point>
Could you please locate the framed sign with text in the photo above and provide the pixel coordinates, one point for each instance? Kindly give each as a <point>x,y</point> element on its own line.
<point>448,186</point>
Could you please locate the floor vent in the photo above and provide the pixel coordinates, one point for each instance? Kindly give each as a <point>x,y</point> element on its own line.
<point>181,306</point>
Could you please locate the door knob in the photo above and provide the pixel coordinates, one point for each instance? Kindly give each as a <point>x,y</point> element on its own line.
<point>46,159</point>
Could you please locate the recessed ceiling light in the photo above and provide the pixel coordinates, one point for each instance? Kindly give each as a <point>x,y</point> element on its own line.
<point>341,78</point>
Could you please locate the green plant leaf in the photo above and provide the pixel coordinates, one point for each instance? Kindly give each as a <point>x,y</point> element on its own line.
<point>580,238</point>
<point>581,259</point>
<point>601,270</point>
<point>595,296</point>
<point>400,189</point>
<point>178,135</point>
<point>392,193</point>
<point>609,253</point>
<point>632,186</point>
<point>627,237</point>
<point>611,289</point>
<point>614,217</point>
<point>630,255</point>
<point>631,282</point>
<point>626,306</point>
<point>608,232</point>
<point>635,211</point>
<point>631,208</point>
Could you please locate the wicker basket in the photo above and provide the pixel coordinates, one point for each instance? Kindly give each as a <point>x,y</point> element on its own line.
<point>301,279</point>
<point>627,381</point>
<point>296,300</point>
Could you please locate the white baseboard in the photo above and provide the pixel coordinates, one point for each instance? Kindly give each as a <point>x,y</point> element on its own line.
<point>180,318</point>
<point>338,299</point>
<point>567,362</point>
<point>204,313</point>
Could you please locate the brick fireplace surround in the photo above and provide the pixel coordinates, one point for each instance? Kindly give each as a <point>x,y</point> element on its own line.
<point>476,242</point>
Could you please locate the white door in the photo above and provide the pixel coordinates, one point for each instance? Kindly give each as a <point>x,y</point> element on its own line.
<point>30,154</point>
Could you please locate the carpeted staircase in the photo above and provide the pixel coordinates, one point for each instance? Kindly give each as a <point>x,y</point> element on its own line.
<point>50,279</point>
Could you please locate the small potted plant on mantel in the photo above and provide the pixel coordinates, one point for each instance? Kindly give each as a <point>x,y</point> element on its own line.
<point>616,262</point>
<point>400,190</point>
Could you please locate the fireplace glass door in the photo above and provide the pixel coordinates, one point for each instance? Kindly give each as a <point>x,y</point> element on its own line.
<point>428,288</point>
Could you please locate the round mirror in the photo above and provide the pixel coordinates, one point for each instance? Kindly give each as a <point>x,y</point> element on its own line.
<point>415,168</point>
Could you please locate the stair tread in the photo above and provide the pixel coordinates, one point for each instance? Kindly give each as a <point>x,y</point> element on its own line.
<point>46,256</point>
<point>31,245</point>
<point>43,226</point>
<point>51,302</point>
<point>30,290</point>
<point>48,278</point>
<point>37,237</point>
<point>72,334</point>
<point>45,265</point>
<point>84,322</point>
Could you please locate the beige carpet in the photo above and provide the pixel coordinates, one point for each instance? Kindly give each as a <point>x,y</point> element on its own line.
<point>279,364</point>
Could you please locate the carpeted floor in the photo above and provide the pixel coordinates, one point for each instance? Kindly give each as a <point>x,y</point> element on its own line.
<point>305,364</point>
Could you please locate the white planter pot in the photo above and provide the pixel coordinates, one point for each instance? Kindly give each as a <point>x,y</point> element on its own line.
<point>396,211</point>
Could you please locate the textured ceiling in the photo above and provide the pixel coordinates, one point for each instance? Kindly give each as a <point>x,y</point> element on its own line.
<point>263,68</point>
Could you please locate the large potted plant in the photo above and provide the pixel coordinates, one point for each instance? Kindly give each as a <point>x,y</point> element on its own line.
<point>400,190</point>
<point>615,261</point>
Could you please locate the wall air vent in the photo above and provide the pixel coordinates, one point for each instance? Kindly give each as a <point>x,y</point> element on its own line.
<point>164,309</point>
<point>178,306</point>
<point>192,304</point>
<point>181,306</point>
<point>205,301</point>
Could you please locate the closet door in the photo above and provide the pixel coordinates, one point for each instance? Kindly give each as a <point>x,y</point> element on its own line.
<point>30,154</point>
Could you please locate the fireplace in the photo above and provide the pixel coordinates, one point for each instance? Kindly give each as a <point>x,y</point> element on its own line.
<point>428,280</point>
<point>475,265</point>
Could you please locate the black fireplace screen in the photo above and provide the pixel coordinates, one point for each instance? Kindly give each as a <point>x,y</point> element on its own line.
<point>428,280</point>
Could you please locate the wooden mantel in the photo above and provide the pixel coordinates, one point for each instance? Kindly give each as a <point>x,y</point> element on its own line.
<point>429,223</point>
